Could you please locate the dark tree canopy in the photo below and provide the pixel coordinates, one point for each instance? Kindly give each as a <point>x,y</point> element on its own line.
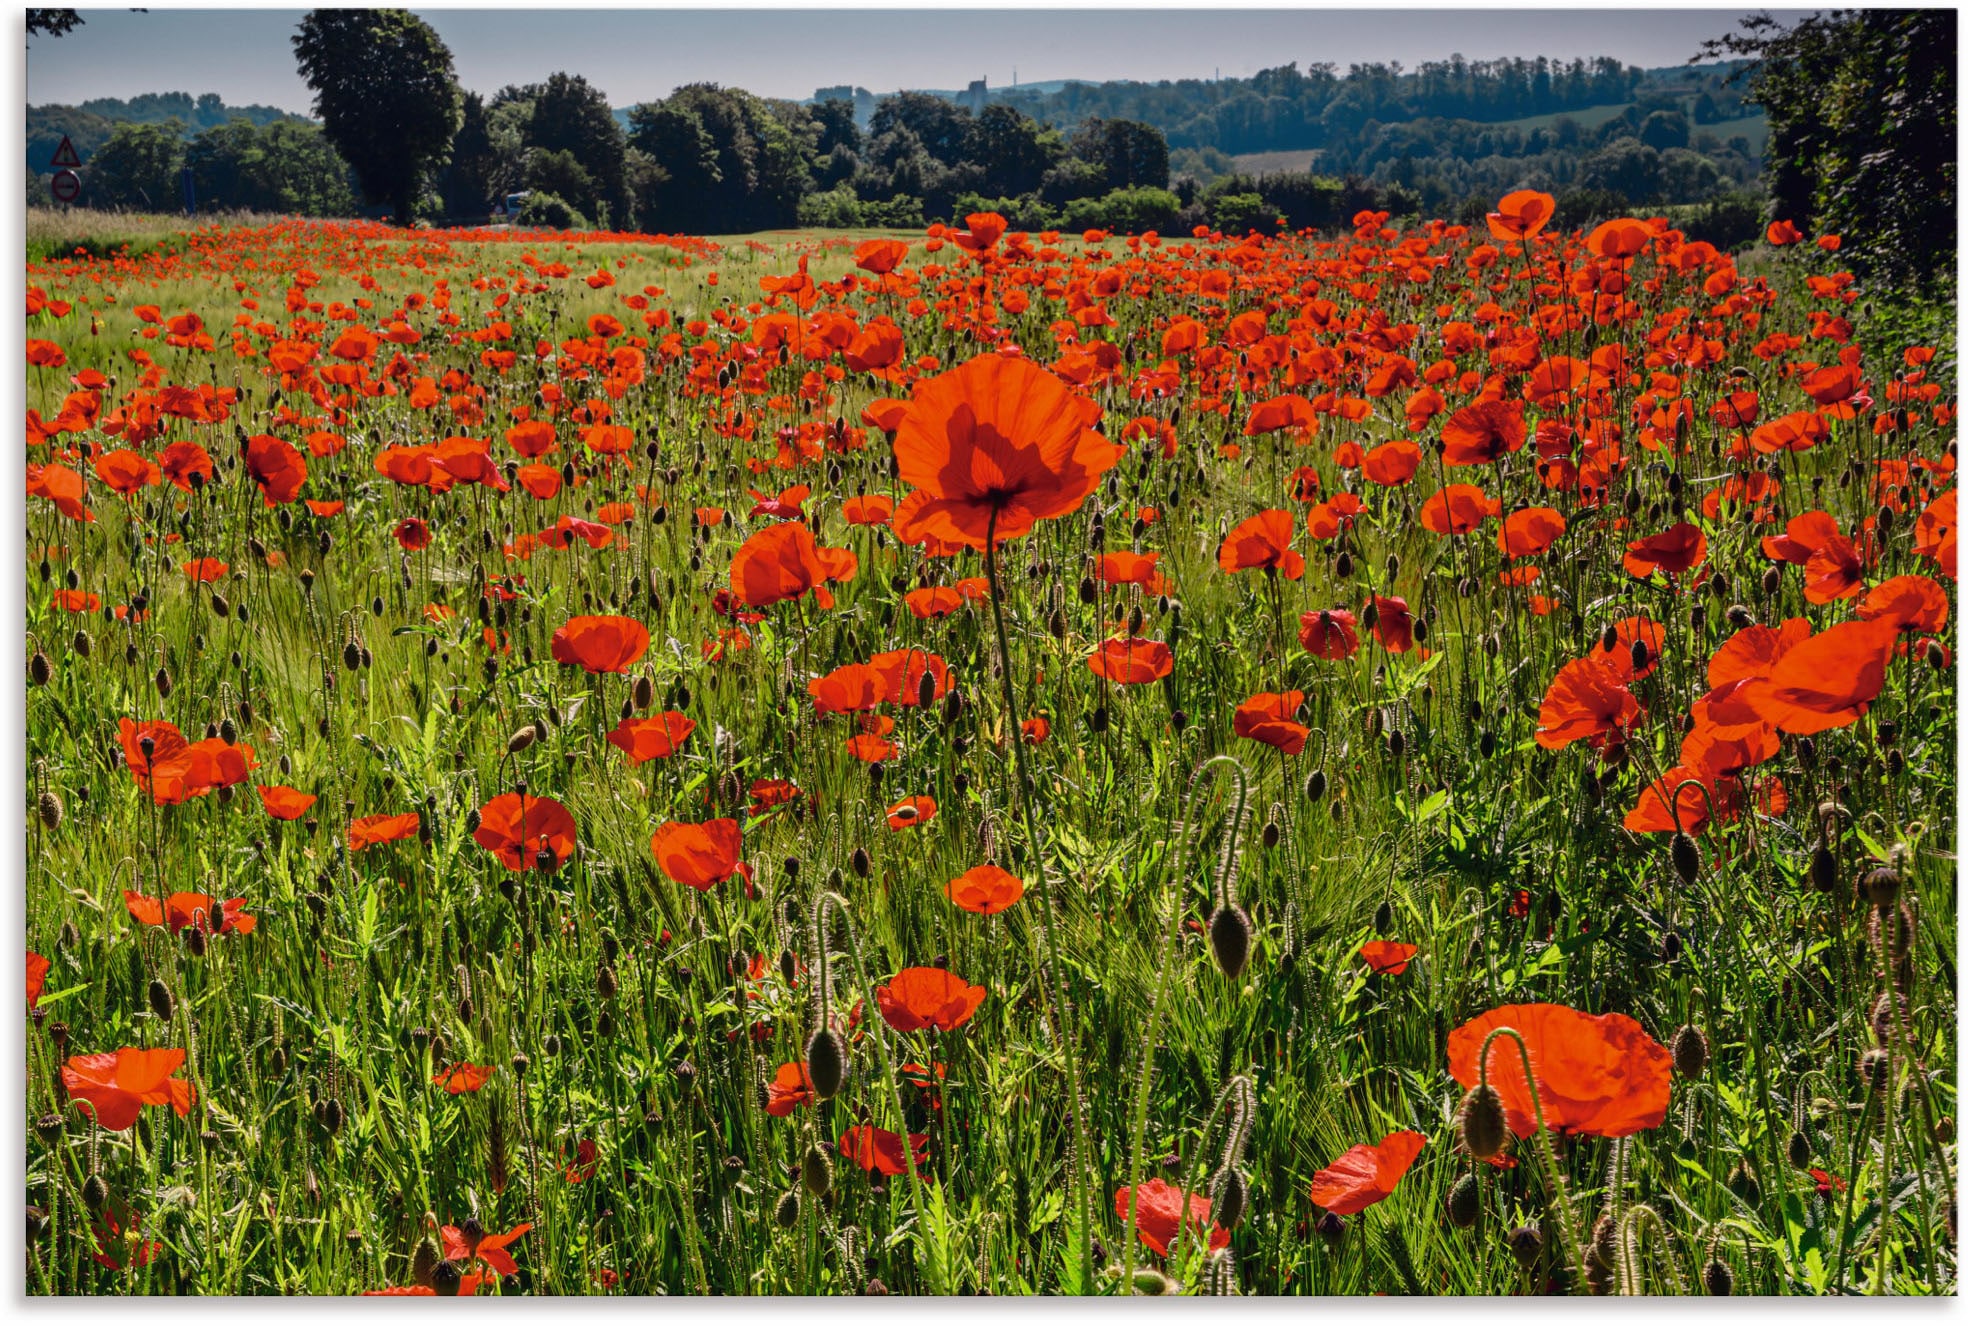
<point>1862,130</point>
<point>52,22</point>
<point>571,116</point>
<point>386,94</point>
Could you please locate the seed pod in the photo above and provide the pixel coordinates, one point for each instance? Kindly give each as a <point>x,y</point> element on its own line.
<point>82,644</point>
<point>520,740</point>
<point>1881,886</point>
<point>49,1129</point>
<point>786,1212</point>
<point>1690,1050</point>
<point>1230,939</point>
<point>1685,856</point>
<point>605,983</point>
<point>446,1279</point>
<point>826,1062</point>
<point>39,670</point>
<point>1464,1203</point>
<point>1484,1127</point>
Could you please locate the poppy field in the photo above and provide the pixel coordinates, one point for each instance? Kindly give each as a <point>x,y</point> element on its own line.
<point>1417,761</point>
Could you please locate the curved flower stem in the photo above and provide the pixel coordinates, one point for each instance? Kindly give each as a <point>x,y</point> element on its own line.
<point>1049,919</point>
<point>1631,1245</point>
<point>938,1280</point>
<point>1138,1118</point>
<point>1567,1221</point>
<point>1240,1098</point>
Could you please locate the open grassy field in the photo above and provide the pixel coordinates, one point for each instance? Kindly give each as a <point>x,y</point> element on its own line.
<point>1411,763</point>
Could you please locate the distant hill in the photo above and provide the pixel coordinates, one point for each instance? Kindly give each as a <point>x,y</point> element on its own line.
<point>89,125</point>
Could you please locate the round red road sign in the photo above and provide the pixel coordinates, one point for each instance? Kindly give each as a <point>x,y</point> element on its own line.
<point>66,186</point>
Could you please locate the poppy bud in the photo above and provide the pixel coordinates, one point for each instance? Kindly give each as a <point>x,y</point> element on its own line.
<point>605,1024</point>
<point>1230,939</point>
<point>1685,856</point>
<point>163,684</point>
<point>551,1046</point>
<point>1089,592</point>
<point>1718,1279</point>
<point>82,644</point>
<point>1937,658</point>
<point>1097,720</point>
<point>1944,1129</point>
<point>817,1170</point>
<point>1233,1199</point>
<point>1742,1182</point>
<point>786,1213</point>
<point>1383,917</point>
<point>1315,785</point>
<point>520,740</point>
<point>1772,580</point>
<point>926,689</point>
<point>874,1289</point>
<point>330,1116</point>
<point>446,1279</point>
<point>859,862</point>
<point>194,937</point>
<point>50,809</point>
<point>1057,624</point>
<point>1881,886</point>
<point>1370,615</point>
<point>37,1224</point>
<point>351,655</point>
<point>1526,1244</point>
<point>1330,1228</point>
<point>1271,834</point>
<point>1464,1203</point>
<point>1799,1151</point>
<point>39,670</point>
<point>1343,565</point>
<point>1807,753</point>
<point>1481,1118</point>
<point>826,1062</point>
<point>605,982</point>
<point>160,1000</point>
<point>1690,1050</point>
<point>94,1192</point>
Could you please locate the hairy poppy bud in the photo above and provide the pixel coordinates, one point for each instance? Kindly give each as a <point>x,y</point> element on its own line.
<point>1772,580</point>
<point>520,740</point>
<point>194,938</point>
<point>1481,1118</point>
<point>1881,886</point>
<point>1232,1198</point>
<point>82,644</point>
<point>39,670</point>
<point>50,809</point>
<point>1383,917</point>
<point>860,862</point>
<point>817,1170</point>
<point>605,982</point>
<point>1526,1244</point>
<point>1464,1203</point>
<point>874,1289</point>
<point>1685,856</point>
<point>1330,1228</point>
<point>788,966</point>
<point>826,1061</point>
<point>1271,834</point>
<point>1315,785</point>
<point>94,1192</point>
<point>1690,1050</point>
<point>786,1212</point>
<point>1718,1279</point>
<point>1230,939</point>
<point>446,1279</point>
<point>605,1024</point>
<point>330,1116</point>
<point>1743,1183</point>
<point>160,1000</point>
<point>37,1224</point>
<point>1824,869</point>
<point>163,684</point>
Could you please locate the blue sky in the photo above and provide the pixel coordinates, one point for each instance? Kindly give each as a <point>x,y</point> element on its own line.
<point>641,55</point>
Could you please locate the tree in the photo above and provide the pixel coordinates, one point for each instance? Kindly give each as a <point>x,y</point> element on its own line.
<point>386,95</point>
<point>1014,151</point>
<point>571,115</point>
<point>52,22</point>
<point>1862,131</point>
<point>137,167</point>
<point>1129,154</point>
<point>467,185</point>
<point>286,167</point>
<point>942,128</point>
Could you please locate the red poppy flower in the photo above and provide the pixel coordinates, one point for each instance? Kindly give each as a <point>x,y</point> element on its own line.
<point>911,812</point>
<point>117,1086</point>
<point>1391,464</point>
<point>932,601</point>
<point>77,600</point>
<point>1131,660</point>
<point>1272,719</point>
<point>1161,1213</point>
<point>37,976</point>
<point>789,1089</point>
<point>867,510</point>
<point>1645,632</point>
<point>1330,633</point>
<point>285,803</point>
<point>276,467</point>
<point>1384,957</point>
<point>848,689</point>
<point>1280,412</point>
<point>465,1079</point>
<point>985,890</point>
<point>654,738</point>
<point>1366,1174</point>
<point>1521,214</point>
<point>413,534</point>
<point>767,793</point>
<point>1913,603</point>
<point>1529,532</point>
<point>1132,568</point>
<point>880,256</point>
<point>1676,551</point>
<point>928,997</point>
<point>1483,433</point>
<point>601,644</point>
<point>118,1246</point>
<point>1827,681</point>
<point>1827,1182</point>
<point>197,909</point>
<point>1587,701</point>
<point>697,855</point>
<point>1263,541</point>
<point>471,1244</point>
<point>994,446</point>
<point>1458,508</point>
<point>901,673</point>
<point>1600,1075</point>
<point>520,829</point>
<point>878,1149</point>
<point>373,829</point>
<point>779,563</point>
<point>1393,623</point>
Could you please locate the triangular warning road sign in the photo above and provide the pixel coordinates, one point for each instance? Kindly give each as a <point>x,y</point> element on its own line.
<point>65,158</point>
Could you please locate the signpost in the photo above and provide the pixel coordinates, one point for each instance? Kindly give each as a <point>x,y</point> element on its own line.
<point>66,185</point>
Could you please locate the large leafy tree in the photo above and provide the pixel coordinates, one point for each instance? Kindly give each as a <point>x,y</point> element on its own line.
<point>386,94</point>
<point>137,168</point>
<point>570,115</point>
<point>1862,130</point>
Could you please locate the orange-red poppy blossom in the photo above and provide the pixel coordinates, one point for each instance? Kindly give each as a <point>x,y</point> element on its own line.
<point>699,856</point>
<point>789,1089</point>
<point>1601,1075</point>
<point>928,998</point>
<point>985,890</point>
<point>1329,633</point>
<point>1131,660</point>
<point>37,977</point>
<point>191,909</point>
<point>1384,957</point>
<point>1827,681</point>
<point>993,446</point>
<point>1457,508</point>
<point>1262,542</point>
<point>1522,214</point>
<point>526,832</point>
<point>1366,1174</point>
<point>656,737</point>
<point>1273,720</point>
<point>911,812</point>
<point>374,829</point>
<point>472,1244</point>
<point>878,1149</point>
<point>1676,551</point>
<point>285,803</point>
<point>465,1079</point>
<point>114,1088</point>
<point>1161,1214</point>
<point>1587,701</point>
<point>601,644</point>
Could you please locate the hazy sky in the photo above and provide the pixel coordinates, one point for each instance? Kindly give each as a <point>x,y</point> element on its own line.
<point>639,55</point>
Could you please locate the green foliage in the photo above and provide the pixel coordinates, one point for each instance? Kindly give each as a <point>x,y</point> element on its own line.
<point>1862,132</point>
<point>1129,211</point>
<point>286,167</point>
<point>1239,213</point>
<point>136,169</point>
<point>384,89</point>
<point>571,118</point>
<point>547,211</point>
